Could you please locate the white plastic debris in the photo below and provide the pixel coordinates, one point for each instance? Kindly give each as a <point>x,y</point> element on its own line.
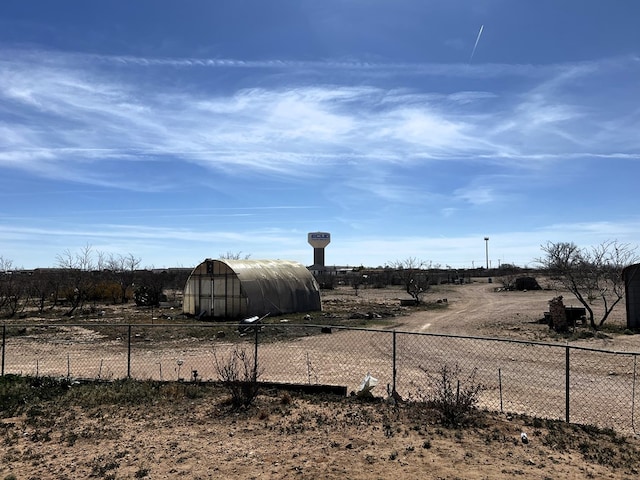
<point>524,438</point>
<point>367,385</point>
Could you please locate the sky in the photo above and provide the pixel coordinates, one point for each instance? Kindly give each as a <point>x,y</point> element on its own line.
<point>183,130</point>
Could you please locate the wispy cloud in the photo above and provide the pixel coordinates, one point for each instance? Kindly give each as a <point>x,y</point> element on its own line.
<point>67,116</point>
<point>96,232</point>
<point>299,66</point>
<point>476,196</point>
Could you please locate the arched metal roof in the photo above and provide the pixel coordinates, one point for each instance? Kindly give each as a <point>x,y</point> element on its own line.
<point>236,288</point>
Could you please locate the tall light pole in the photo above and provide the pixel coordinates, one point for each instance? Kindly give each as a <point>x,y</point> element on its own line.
<point>486,249</point>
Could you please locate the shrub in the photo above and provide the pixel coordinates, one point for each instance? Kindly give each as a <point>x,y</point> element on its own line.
<point>239,374</point>
<point>18,393</point>
<point>146,296</point>
<point>452,398</point>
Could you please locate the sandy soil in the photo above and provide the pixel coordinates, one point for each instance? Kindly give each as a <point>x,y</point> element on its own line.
<point>484,309</point>
<point>308,437</point>
<point>287,436</point>
<point>473,308</point>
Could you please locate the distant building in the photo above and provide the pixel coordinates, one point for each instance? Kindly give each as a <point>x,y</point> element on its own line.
<point>243,288</point>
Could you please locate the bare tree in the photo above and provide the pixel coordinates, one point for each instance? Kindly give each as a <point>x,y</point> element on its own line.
<point>591,275</point>
<point>12,287</point>
<point>414,275</point>
<point>78,275</point>
<point>149,288</point>
<point>6,277</point>
<point>6,265</point>
<point>122,269</point>
<point>43,286</point>
<point>234,255</point>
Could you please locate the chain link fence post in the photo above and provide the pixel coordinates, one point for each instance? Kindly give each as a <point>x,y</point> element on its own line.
<point>4,344</point>
<point>567,384</point>
<point>395,369</point>
<point>255,354</point>
<point>633,395</point>
<point>129,353</point>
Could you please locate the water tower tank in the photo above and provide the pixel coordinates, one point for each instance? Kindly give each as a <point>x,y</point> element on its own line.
<point>631,276</point>
<point>318,240</point>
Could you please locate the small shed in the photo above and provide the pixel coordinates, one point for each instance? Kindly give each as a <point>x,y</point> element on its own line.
<point>243,288</point>
<point>631,276</point>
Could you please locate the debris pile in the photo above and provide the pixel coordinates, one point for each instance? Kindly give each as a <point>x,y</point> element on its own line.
<point>558,315</point>
<point>527,283</point>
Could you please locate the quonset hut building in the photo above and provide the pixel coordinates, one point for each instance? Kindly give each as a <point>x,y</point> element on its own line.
<point>221,289</point>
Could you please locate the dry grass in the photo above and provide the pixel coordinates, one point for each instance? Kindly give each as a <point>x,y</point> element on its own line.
<point>153,430</point>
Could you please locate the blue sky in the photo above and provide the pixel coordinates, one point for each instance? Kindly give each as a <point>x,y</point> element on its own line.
<point>177,131</point>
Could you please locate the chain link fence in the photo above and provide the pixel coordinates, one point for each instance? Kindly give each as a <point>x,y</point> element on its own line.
<point>575,384</point>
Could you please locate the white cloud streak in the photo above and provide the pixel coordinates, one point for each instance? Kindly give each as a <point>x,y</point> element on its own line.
<point>475,45</point>
<point>66,116</point>
<point>295,66</point>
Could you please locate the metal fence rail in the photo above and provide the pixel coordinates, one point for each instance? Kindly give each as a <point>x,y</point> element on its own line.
<point>574,384</point>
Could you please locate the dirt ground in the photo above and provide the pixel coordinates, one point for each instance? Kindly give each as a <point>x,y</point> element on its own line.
<point>301,436</point>
<point>287,436</point>
<point>477,308</point>
<point>484,309</point>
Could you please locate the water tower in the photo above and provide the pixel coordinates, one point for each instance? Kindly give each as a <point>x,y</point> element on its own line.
<point>318,240</point>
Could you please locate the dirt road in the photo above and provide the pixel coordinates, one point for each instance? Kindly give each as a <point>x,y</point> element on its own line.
<point>481,308</point>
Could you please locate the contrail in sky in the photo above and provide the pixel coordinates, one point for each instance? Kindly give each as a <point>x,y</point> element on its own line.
<point>477,40</point>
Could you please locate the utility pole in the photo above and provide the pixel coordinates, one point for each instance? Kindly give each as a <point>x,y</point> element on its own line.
<point>486,249</point>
